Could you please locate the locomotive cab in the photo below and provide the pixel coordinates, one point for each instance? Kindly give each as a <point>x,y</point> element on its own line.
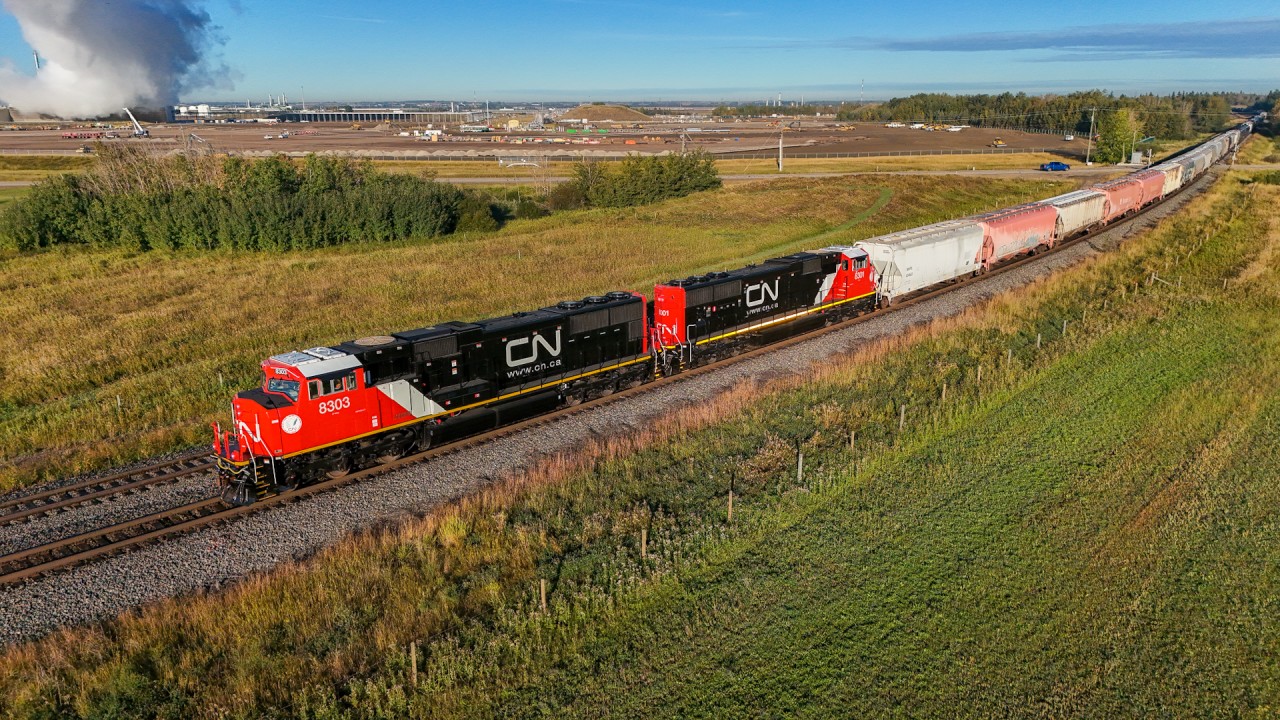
<point>306,399</point>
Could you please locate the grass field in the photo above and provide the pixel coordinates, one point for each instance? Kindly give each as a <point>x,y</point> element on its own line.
<point>1259,150</point>
<point>29,168</point>
<point>791,166</point>
<point>1084,529</point>
<point>8,195</point>
<point>110,355</point>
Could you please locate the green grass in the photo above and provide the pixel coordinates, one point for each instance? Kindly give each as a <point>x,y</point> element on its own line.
<point>173,334</point>
<point>8,195</point>
<point>37,167</point>
<point>1087,531</point>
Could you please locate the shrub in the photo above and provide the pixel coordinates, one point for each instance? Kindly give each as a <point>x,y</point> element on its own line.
<point>131,199</point>
<point>640,180</point>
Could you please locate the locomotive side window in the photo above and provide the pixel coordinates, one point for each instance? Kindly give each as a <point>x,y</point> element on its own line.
<point>351,380</point>
<point>860,263</point>
<point>314,389</point>
<point>336,385</point>
<point>284,387</point>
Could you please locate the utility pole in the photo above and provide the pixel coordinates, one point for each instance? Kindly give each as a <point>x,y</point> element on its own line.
<point>781,127</point>
<point>1088,153</point>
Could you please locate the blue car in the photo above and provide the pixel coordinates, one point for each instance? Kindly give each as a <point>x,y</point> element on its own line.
<point>1055,165</point>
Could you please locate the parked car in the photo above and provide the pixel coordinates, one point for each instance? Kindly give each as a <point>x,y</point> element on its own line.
<point>1055,165</point>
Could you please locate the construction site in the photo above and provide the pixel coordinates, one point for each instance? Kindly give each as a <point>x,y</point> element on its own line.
<point>591,131</point>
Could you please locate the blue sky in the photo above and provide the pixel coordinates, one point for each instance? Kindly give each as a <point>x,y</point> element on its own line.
<point>744,50</point>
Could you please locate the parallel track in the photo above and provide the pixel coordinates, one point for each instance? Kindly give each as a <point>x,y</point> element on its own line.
<point>101,488</point>
<point>33,562</point>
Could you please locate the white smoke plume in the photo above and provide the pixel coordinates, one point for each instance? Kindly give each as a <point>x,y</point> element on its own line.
<point>98,57</point>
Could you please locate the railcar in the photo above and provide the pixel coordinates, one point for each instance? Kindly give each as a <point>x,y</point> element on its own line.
<point>914,259</point>
<point>1172,172</point>
<point>1078,212</point>
<point>1014,231</point>
<point>1124,197</point>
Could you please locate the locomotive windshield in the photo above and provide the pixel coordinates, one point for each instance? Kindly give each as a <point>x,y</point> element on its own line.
<point>284,387</point>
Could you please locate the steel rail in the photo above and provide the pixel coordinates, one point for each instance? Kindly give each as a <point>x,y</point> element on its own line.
<point>60,498</point>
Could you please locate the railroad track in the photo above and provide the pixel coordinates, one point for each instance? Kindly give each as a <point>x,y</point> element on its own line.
<point>32,562</point>
<point>98,489</point>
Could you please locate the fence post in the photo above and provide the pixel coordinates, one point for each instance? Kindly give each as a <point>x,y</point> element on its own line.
<point>1064,328</point>
<point>902,417</point>
<point>800,468</point>
<point>1038,339</point>
<point>542,593</point>
<point>943,401</point>
<point>644,543</point>
<point>413,662</point>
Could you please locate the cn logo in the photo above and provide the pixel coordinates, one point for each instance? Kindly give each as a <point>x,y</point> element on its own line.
<point>517,357</point>
<point>756,294</point>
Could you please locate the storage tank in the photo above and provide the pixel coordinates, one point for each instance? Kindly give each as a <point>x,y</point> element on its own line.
<point>1078,211</point>
<point>912,259</point>
<point>1016,230</point>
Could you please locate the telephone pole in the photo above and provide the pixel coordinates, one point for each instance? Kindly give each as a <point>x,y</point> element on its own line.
<point>1088,153</point>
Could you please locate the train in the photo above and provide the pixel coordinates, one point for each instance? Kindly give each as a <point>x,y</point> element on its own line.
<point>324,412</point>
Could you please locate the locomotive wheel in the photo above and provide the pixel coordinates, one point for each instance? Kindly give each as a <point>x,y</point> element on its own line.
<point>395,454</point>
<point>339,469</point>
<point>288,484</point>
<point>237,495</point>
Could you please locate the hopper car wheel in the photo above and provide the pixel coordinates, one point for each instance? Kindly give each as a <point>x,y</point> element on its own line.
<point>338,469</point>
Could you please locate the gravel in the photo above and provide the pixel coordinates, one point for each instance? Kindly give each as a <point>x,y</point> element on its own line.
<point>216,556</point>
<point>95,514</point>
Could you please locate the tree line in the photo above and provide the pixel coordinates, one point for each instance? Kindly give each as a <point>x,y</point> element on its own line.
<point>1178,116</point>
<point>133,199</point>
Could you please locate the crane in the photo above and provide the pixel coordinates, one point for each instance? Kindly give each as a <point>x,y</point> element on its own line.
<point>138,130</point>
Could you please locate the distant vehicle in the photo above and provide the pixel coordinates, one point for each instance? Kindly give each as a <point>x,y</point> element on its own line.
<point>85,149</point>
<point>1055,166</point>
<point>998,143</point>
<point>895,125</point>
<point>268,137</point>
<point>1068,136</point>
<point>917,126</point>
<point>955,128</point>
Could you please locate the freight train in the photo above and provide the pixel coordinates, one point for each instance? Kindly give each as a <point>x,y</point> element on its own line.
<point>326,411</point>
